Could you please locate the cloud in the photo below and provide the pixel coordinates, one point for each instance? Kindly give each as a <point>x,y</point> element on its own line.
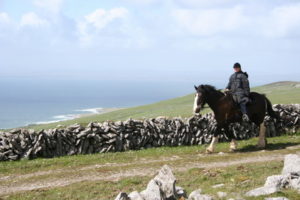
<point>194,4</point>
<point>282,21</point>
<point>100,24</point>
<point>4,18</point>
<point>32,19</point>
<point>277,21</point>
<point>143,2</point>
<point>208,22</point>
<point>100,18</point>
<point>49,5</point>
<point>6,28</point>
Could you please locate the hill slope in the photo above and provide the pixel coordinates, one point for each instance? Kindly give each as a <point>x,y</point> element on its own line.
<point>280,92</point>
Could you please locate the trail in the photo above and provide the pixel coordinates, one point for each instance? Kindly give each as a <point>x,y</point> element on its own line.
<point>12,184</point>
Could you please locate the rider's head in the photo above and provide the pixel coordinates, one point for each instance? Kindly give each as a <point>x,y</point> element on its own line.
<point>237,67</point>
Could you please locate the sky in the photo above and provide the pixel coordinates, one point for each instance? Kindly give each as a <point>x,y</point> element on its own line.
<point>155,40</point>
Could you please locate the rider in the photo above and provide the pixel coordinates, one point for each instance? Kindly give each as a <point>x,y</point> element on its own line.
<point>239,87</point>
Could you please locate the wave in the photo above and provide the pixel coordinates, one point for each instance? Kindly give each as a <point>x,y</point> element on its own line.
<point>91,110</point>
<point>59,118</point>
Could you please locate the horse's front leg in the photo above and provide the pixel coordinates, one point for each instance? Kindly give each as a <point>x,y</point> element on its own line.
<point>214,141</point>
<point>262,136</point>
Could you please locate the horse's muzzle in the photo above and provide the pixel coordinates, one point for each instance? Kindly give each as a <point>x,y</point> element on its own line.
<point>197,110</point>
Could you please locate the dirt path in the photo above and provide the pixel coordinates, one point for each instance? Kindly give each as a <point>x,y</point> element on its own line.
<point>94,173</point>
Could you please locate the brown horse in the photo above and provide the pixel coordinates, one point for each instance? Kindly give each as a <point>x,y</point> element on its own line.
<point>226,112</point>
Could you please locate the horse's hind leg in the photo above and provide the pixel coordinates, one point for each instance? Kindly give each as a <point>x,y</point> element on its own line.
<point>262,136</point>
<point>233,145</point>
<point>231,137</point>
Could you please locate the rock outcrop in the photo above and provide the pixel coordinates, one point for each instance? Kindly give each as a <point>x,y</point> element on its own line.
<point>162,187</point>
<point>289,178</point>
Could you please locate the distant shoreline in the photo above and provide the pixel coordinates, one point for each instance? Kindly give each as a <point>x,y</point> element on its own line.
<point>92,111</point>
<point>98,111</point>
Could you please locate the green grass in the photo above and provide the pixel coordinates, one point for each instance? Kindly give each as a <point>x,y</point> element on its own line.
<point>187,152</point>
<point>283,92</point>
<point>238,179</point>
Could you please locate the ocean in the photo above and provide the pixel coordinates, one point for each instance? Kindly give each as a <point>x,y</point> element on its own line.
<point>24,102</point>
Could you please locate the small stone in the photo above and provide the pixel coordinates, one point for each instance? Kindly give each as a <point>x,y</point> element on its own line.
<point>221,194</point>
<point>196,195</point>
<point>218,185</point>
<point>276,198</point>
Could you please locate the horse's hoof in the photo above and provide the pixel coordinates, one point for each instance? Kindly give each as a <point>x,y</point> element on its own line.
<point>208,151</point>
<point>260,146</point>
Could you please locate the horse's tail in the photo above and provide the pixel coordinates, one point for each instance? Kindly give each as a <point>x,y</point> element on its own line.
<point>269,109</point>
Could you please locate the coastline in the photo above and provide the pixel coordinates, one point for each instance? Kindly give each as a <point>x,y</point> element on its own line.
<point>87,112</point>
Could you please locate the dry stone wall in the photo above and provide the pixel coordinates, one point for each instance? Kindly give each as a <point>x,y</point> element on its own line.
<point>133,135</point>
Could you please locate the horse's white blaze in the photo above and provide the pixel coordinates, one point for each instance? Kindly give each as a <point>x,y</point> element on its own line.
<point>195,102</point>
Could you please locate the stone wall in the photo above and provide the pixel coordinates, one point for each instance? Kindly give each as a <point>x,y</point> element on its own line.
<point>133,135</point>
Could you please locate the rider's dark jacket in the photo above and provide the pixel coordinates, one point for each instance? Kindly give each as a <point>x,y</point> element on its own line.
<point>239,84</point>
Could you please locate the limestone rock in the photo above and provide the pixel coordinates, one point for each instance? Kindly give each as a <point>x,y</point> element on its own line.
<point>122,196</point>
<point>135,196</point>
<point>273,184</point>
<point>166,182</point>
<point>276,198</point>
<point>290,178</point>
<point>152,192</point>
<point>180,192</point>
<point>261,191</point>
<point>291,164</point>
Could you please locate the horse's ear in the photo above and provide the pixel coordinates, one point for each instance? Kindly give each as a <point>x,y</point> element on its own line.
<point>195,87</point>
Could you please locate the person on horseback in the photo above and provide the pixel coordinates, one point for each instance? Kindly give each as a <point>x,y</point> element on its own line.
<point>239,87</point>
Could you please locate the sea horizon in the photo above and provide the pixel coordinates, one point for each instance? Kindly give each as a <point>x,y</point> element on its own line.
<point>28,102</point>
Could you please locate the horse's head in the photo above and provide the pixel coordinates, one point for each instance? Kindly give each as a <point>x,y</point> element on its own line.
<point>200,99</point>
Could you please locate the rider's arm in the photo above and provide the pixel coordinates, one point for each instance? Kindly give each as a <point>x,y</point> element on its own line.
<point>246,86</point>
<point>229,84</point>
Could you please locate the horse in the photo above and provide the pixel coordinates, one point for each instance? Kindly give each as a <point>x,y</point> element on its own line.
<point>226,111</point>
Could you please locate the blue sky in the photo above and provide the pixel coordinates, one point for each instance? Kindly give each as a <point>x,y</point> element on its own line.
<point>169,40</point>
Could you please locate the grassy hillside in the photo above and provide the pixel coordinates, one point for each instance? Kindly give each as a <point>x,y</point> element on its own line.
<point>103,176</point>
<point>280,92</point>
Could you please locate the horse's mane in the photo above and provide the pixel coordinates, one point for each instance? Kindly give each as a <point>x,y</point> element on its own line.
<point>208,89</point>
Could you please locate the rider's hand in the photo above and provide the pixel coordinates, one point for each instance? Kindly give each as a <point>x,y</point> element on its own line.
<point>226,91</point>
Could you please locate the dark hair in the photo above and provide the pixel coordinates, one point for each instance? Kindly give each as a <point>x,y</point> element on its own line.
<point>237,65</point>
